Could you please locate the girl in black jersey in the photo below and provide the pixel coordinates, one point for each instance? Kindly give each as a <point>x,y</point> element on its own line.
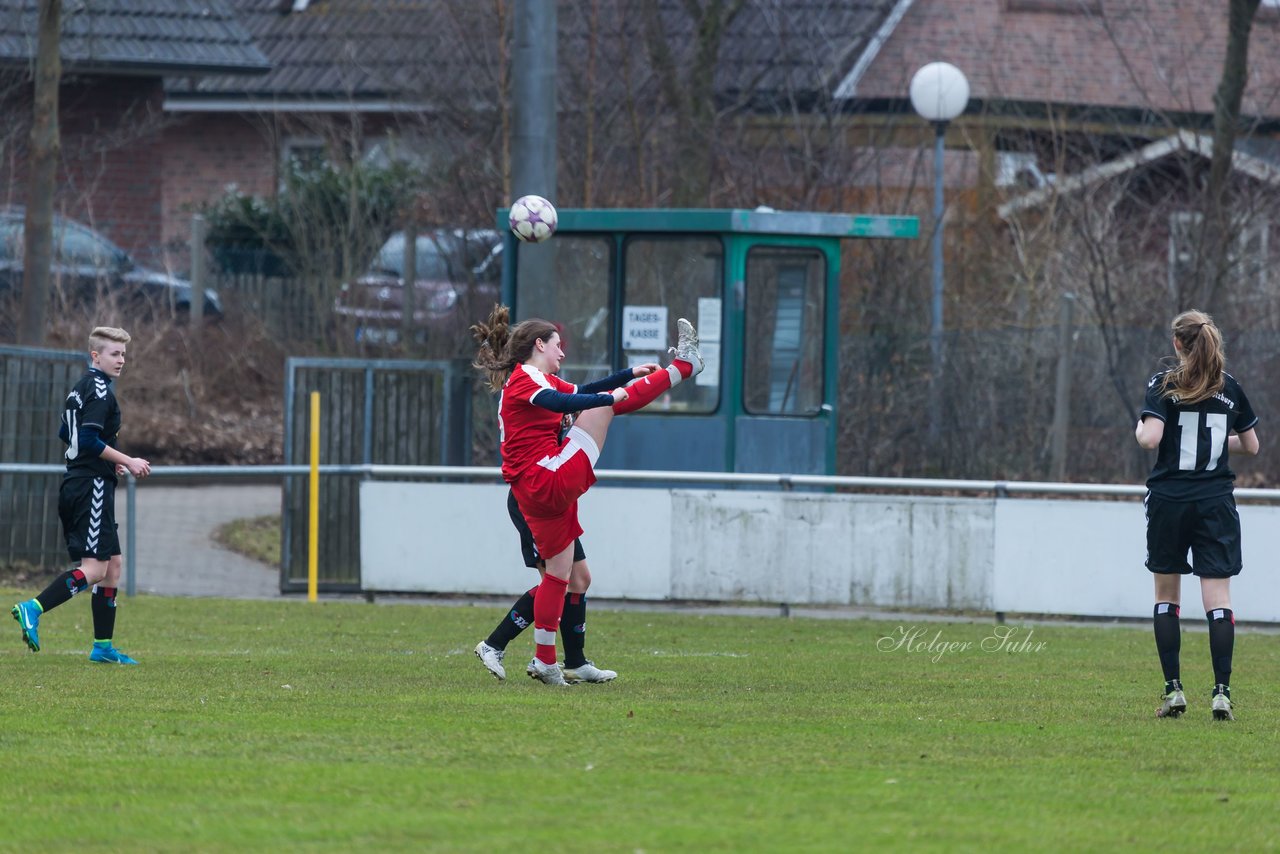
<point>1195,415</point>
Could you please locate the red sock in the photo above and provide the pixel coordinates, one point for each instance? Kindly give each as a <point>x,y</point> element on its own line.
<point>548,605</point>
<point>645,390</point>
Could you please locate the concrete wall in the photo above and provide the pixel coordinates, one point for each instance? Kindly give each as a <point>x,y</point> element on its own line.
<point>1014,555</point>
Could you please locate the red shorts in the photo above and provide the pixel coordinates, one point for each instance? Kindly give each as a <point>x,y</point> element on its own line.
<point>548,493</point>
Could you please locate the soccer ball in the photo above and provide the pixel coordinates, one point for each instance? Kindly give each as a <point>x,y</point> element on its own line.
<point>532,219</point>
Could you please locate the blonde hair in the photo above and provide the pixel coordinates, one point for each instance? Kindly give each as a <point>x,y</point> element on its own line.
<point>1201,359</point>
<point>103,335</point>
<point>503,346</point>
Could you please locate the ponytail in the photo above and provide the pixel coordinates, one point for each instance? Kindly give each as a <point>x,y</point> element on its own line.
<point>503,346</point>
<point>1201,359</point>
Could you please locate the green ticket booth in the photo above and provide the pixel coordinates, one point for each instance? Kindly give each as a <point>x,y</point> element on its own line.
<point>761,286</point>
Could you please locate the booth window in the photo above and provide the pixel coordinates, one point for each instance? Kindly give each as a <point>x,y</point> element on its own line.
<point>785,319</point>
<point>574,294</point>
<point>666,278</point>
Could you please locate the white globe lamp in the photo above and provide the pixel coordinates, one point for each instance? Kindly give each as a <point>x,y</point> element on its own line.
<point>939,92</point>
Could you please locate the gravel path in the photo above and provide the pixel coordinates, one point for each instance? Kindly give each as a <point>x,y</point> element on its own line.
<point>176,554</point>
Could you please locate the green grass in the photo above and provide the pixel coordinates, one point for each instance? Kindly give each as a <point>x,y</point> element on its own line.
<point>257,538</point>
<point>345,726</point>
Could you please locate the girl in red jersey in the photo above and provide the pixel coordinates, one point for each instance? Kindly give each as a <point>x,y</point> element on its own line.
<point>547,474</point>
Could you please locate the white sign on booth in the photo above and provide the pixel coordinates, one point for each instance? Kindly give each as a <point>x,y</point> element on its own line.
<point>644,327</point>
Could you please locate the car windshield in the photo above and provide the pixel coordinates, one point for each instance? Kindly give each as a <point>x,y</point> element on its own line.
<point>72,244</point>
<point>445,255</point>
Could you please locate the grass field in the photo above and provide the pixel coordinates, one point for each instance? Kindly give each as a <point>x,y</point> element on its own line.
<point>348,726</point>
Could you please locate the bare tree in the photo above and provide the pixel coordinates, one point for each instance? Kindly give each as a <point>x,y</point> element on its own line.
<point>44,164</point>
<point>691,97</point>
<point>1226,119</point>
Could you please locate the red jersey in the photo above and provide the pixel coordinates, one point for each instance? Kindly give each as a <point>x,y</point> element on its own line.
<point>528,432</point>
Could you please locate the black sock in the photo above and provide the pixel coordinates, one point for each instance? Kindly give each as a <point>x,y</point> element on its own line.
<point>63,588</point>
<point>1222,640</point>
<point>103,603</point>
<point>1168,642</point>
<point>573,630</point>
<point>519,618</point>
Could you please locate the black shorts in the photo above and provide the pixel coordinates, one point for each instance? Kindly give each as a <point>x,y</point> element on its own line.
<point>87,507</point>
<point>1209,529</point>
<point>532,559</point>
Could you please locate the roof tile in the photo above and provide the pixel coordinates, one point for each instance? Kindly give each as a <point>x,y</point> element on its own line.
<point>164,36</point>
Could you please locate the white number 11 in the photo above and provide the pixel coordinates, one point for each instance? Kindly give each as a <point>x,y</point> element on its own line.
<point>1189,427</point>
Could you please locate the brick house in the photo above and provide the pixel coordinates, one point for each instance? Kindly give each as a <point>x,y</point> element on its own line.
<point>111,102</point>
<point>1114,75</point>
<point>249,84</point>
<point>1120,73</point>
<point>345,79</point>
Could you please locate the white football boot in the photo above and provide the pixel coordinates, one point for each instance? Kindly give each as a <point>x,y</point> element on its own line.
<point>491,658</point>
<point>686,348</point>
<point>588,673</point>
<point>547,674</point>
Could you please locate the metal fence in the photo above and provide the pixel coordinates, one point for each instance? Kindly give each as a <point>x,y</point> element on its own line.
<point>340,477</point>
<point>290,308</point>
<point>373,411</point>
<point>33,384</point>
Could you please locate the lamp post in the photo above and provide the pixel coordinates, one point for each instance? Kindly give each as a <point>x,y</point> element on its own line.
<point>939,93</point>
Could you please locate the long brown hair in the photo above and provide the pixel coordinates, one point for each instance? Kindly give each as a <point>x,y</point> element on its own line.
<point>503,346</point>
<point>1201,359</point>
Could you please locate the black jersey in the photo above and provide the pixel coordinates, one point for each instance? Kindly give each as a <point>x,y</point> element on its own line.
<point>91,403</point>
<point>1191,462</point>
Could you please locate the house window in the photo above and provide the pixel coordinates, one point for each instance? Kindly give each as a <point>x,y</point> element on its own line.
<point>1057,7</point>
<point>302,154</point>
<point>1019,170</point>
<point>1184,236</point>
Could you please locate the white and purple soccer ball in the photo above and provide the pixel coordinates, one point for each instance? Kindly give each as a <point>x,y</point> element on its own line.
<point>532,219</point>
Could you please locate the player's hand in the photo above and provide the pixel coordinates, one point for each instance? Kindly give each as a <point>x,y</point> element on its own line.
<point>121,469</point>
<point>138,467</point>
<point>619,394</point>
<point>645,369</point>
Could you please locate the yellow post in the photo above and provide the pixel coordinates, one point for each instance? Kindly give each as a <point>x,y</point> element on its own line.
<point>313,514</point>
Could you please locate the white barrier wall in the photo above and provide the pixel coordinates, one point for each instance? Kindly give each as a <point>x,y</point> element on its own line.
<point>1014,555</point>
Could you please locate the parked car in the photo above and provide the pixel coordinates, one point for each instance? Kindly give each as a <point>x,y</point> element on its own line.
<point>87,264</point>
<point>458,277</point>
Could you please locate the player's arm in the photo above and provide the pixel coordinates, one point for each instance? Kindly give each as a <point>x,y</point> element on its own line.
<point>610,382</point>
<point>1150,430</point>
<point>136,466</point>
<point>91,441</point>
<point>1243,443</point>
<point>620,378</point>
<point>559,401</point>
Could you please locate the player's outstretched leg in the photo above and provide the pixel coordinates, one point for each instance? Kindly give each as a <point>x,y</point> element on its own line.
<point>28,616</point>
<point>686,362</point>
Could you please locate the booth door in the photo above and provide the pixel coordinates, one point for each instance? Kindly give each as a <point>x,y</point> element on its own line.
<point>786,424</point>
